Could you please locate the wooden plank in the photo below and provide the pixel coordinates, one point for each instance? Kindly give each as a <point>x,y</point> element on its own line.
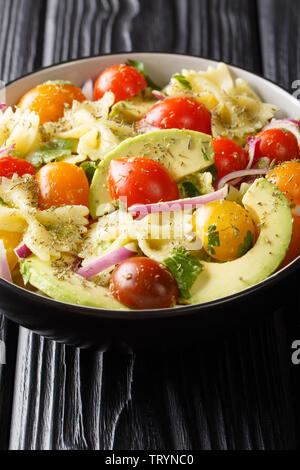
<point>19,35</point>
<point>229,395</point>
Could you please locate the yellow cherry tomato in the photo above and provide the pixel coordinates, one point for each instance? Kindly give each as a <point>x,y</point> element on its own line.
<point>225,228</point>
<point>11,240</point>
<point>49,100</point>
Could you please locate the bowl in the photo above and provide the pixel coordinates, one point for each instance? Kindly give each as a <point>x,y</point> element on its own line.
<point>128,330</point>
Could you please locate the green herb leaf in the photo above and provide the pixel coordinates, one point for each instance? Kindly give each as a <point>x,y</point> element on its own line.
<point>183,81</point>
<point>141,68</point>
<point>89,168</point>
<point>248,243</point>
<point>213,239</point>
<point>185,269</point>
<point>51,151</point>
<point>25,271</point>
<point>190,189</point>
<point>214,171</point>
<point>3,202</point>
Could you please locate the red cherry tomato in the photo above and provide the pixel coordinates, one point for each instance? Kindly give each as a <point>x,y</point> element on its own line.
<point>178,113</point>
<point>142,283</point>
<point>229,156</point>
<point>277,144</point>
<point>124,81</point>
<point>11,165</point>
<point>141,180</point>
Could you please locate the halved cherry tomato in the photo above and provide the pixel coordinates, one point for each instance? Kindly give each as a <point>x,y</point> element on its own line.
<point>62,183</point>
<point>277,144</point>
<point>11,240</point>
<point>225,228</point>
<point>229,156</point>
<point>141,180</point>
<point>287,178</point>
<point>48,100</point>
<point>124,81</point>
<point>11,165</point>
<point>142,283</point>
<point>178,113</point>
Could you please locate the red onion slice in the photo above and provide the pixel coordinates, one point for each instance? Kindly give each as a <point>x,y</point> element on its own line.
<point>142,210</point>
<point>106,261</point>
<point>5,151</point>
<point>88,89</point>
<point>23,251</point>
<point>2,106</point>
<point>240,174</point>
<point>289,124</point>
<point>296,211</point>
<point>4,267</point>
<point>253,143</point>
<point>159,95</point>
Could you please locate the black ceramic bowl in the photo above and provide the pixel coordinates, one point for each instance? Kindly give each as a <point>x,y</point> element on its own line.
<point>104,329</point>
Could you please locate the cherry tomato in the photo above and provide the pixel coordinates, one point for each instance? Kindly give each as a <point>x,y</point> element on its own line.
<point>229,156</point>
<point>277,144</point>
<point>178,113</point>
<point>62,183</point>
<point>48,100</point>
<point>141,180</point>
<point>225,228</point>
<point>11,240</point>
<point>11,165</point>
<point>124,81</point>
<point>287,178</point>
<point>142,283</point>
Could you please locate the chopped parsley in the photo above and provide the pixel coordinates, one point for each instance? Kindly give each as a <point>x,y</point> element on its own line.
<point>214,171</point>
<point>248,243</point>
<point>190,189</point>
<point>185,269</point>
<point>213,239</point>
<point>183,81</point>
<point>89,168</point>
<point>51,151</point>
<point>141,68</point>
<point>3,202</point>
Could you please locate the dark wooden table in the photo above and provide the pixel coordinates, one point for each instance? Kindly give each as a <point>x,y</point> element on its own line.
<point>241,393</point>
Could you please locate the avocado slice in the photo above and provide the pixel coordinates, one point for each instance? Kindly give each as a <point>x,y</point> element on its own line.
<point>271,212</point>
<point>182,152</point>
<point>69,288</point>
<point>131,110</point>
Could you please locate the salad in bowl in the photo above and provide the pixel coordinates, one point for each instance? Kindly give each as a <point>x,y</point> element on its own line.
<point>125,195</point>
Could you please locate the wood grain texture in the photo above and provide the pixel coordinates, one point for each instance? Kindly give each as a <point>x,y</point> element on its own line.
<point>232,395</point>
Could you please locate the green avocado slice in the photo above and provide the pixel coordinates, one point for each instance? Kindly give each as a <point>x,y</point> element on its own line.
<point>182,152</point>
<point>271,212</point>
<point>131,110</point>
<point>70,288</point>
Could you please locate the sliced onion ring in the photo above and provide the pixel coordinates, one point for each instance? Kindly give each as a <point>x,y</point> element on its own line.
<point>159,95</point>
<point>289,124</point>
<point>253,143</point>
<point>296,211</point>
<point>88,89</point>
<point>8,149</point>
<point>241,174</point>
<point>107,261</point>
<point>2,106</point>
<point>4,267</point>
<point>142,210</point>
<point>23,251</point>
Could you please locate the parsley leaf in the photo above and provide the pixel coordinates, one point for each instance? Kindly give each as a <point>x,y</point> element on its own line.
<point>3,202</point>
<point>183,81</point>
<point>89,168</point>
<point>190,189</point>
<point>248,243</point>
<point>213,239</point>
<point>214,171</point>
<point>185,269</point>
<point>141,68</point>
<point>50,151</point>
